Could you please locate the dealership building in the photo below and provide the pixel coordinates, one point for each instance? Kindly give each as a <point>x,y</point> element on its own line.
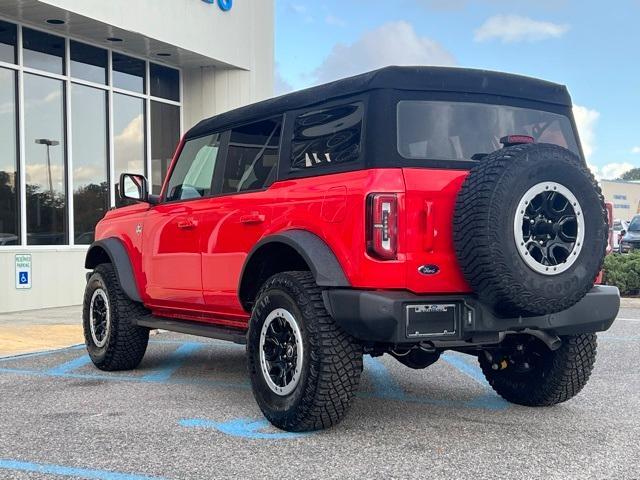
<point>624,196</point>
<point>90,89</point>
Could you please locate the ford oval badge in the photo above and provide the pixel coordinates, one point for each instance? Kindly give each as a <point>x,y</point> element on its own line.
<point>428,269</point>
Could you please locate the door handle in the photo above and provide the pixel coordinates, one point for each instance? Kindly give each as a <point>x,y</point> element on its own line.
<point>187,224</point>
<point>429,234</point>
<point>252,218</point>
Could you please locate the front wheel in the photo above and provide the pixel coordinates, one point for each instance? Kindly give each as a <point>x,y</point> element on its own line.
<point>113,340</point>
<point>526,372</point>
<point>304,369</point>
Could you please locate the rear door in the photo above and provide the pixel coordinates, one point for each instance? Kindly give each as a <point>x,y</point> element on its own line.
<point>238,218</point>
<point>172,257</point>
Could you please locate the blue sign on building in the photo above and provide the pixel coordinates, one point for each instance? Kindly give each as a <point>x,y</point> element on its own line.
<point>225,5</point>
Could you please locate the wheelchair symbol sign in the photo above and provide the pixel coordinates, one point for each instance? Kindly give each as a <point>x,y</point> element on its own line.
<point>23,271</point>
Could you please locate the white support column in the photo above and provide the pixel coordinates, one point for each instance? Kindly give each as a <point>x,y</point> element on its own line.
<point>68,144</point>
<point>112,170</point>
<point>21,150</point>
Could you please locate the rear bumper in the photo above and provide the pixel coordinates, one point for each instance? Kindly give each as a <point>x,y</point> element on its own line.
<point>380,316</point>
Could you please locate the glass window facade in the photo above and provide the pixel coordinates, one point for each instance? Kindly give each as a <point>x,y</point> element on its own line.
<point>129,73</point>
<point>90,153</point>
<point>88,62</point>
<point>45,172</point>
<point>81,128</point>
<point>165,82</point>
<point>9,181</point>
<point>128,138</point>
<point>165,129</point>
<point>43,51</point>
<point>8,42</point>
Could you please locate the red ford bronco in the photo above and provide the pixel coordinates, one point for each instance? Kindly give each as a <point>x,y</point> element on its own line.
<point>406,211</point>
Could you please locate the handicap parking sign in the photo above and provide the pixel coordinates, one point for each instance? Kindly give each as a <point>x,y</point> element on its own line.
<point>23,271</point>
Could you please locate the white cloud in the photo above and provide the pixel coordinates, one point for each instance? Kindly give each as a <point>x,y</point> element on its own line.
<point>394,43</point>
<point>302,11</point>
<point>635,149</point>
<point>129,146</point>
<point>586,120</point>
<point>610,171</point>
<point>335,21</point>
<point>516,28</point>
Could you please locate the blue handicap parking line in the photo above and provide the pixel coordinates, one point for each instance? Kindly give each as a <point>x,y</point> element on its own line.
<point>174,362</point>
<point>384,385</point>
<point>472,371</point>
<point>70,366</point>
<point>112,377</point>
<point>242,427</point>
<point>41,354</point>
<point>65,471</point>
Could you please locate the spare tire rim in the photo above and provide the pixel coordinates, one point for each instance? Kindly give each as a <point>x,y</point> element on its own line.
<point>549,228</point>
<point>99,317</point>
<point>281,352</point>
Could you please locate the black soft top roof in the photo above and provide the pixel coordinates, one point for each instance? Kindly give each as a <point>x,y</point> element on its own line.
<point>434,79</point>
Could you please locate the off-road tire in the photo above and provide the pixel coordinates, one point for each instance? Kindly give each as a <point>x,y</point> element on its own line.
<point>566,373</point>
<point>483,229</point>
<point>126,343</point>
<point>332,359</point>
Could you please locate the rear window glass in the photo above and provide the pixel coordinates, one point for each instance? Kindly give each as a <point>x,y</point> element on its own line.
<point>327,137</point>
<point>252,161</point>
<point>468,131</point>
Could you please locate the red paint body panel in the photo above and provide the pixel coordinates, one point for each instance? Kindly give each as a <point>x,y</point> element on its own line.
<point>431,199</point>
<point>189,257</point>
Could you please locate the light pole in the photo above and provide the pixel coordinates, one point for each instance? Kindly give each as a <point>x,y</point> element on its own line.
<point>49,144</point>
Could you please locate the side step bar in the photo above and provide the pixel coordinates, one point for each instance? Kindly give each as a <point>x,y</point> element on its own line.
<point>194,328</point>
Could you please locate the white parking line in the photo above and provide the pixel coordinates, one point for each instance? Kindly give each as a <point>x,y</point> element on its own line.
<point>637,320</point>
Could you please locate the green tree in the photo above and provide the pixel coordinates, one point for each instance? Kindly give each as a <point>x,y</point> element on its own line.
<point>633,174</point>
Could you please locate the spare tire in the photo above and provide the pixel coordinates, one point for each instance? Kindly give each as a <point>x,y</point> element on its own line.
<point>530,230</point>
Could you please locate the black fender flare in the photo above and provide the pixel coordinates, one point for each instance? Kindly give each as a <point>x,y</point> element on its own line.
<point>119,258</point>
<point>321,260</point>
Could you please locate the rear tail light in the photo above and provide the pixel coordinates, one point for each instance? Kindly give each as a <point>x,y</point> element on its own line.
<point>382,225</point>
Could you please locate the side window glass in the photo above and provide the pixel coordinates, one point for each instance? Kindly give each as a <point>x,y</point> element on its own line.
<point>252,161</point>
<point>193,173</point>
<point>327,137</point>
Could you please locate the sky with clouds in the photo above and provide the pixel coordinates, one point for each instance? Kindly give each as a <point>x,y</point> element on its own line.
<point>591,46</point>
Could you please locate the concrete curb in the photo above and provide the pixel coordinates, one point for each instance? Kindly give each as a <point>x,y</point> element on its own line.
<point>630,302</point>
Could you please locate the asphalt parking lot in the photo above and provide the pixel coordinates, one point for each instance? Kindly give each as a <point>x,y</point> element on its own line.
<point>188,413</point>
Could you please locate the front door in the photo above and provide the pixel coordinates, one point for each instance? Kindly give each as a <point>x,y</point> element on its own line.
<point>172,256</point>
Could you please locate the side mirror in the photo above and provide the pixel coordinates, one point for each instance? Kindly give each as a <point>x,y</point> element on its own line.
<point>133,187</point>
<point>623,233</point>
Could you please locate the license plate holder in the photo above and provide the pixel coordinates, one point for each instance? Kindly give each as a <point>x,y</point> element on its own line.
<point>431,320</point>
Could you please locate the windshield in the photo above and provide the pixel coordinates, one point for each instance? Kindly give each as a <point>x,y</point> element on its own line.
<point>469,131</point>
<point>634,226</point>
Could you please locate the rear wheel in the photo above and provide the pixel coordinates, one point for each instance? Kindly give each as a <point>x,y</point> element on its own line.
<point>525,371</point>
<point>113,340</point>
<point>304,369</point>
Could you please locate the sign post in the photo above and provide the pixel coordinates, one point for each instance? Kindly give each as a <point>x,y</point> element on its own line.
<point>23,271</point>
